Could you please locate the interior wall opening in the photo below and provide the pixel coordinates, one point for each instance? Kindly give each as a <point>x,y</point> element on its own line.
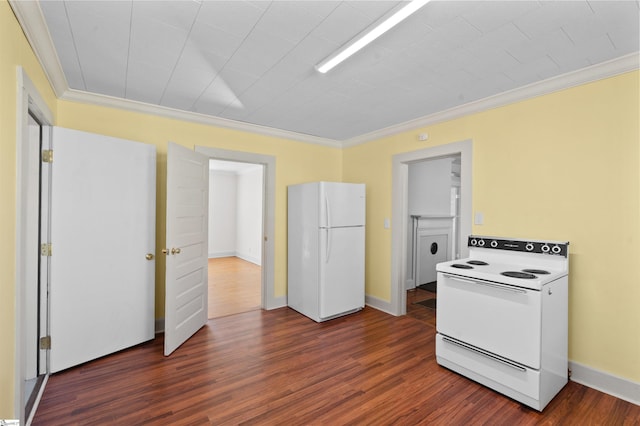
<point>402,262</point>
<point>236,199</point>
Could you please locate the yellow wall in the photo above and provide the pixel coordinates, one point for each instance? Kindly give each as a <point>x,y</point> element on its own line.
<point>562,166</point>
<point>14,51</point>
<point>565,166</point>
<point>295,163</point>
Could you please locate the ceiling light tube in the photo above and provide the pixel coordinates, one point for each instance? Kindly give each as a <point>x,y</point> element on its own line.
<point>370,35</point>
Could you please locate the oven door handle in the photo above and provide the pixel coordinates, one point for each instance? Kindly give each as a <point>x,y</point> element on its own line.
<point>488,284</point>
<point>484,354</point>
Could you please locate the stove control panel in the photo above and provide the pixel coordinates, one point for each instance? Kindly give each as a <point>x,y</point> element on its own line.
<point>555,248</point>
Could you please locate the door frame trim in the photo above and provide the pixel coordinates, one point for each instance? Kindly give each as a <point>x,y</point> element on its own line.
<point>28,99</point>
<point>400,208</point>
<point>269,299</point>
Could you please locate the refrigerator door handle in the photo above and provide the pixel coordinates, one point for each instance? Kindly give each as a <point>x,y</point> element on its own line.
<point>327,211</point>
<point>328,249</point>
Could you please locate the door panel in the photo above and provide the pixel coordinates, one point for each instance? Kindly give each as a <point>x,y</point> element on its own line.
<point>341,270</point>
<point>102,226</point>
<point>342,204</point>
<point>186,288</point>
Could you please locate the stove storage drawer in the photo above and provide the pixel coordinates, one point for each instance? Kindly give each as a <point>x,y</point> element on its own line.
<point>504,376</point>
<point>498,318</point>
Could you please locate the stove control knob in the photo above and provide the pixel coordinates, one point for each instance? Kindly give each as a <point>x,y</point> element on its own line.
<point>529,247</point>
<point>556,249</point>
<point>474,242</point>
<point>494,244</point>
<point>481,243</point>
<point>545,248</point>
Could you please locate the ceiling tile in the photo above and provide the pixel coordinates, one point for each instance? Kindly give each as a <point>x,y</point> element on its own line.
<point>235,17</point>
<point>488,16</point>
<point>62,37</point>
<point>101,35</point>
<point>146,82</point>
<point>291,21</point>
<point>254,61</point>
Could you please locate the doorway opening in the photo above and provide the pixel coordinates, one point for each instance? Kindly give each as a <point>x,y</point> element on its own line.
<point>236,193</point>
<point>267,272</point>
<point>36,284</point>
<point>433,204</point>
<point>32,230</point>
<point>402,219</point>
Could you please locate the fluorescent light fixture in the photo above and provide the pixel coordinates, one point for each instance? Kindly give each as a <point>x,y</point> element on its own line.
<point>369,35</point>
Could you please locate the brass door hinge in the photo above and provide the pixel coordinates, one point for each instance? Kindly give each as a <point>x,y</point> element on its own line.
<point>45,342</point>
<point>46,249</point>
<point>47,156</point>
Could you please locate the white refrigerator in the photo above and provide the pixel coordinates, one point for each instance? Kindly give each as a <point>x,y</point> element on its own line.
<point>326,249</point>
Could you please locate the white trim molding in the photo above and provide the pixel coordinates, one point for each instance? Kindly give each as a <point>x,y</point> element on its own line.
<point>400,207</point>
<point>194,117</point>
<point>621,65</point>
<point>33,24</point>
<point>605,382</point>
<point>269,299</point>
<point>379,304</point>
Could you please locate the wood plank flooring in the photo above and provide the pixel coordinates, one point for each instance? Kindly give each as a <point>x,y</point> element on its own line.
<point>280,368</point>
<point>417,311</point>
<point>234,286</point>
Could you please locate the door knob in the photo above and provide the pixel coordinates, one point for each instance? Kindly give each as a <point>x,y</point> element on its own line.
<point>175,250</point>
<point>149,256</point>
<point>165,251</point>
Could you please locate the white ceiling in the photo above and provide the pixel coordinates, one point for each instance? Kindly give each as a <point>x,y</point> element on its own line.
<point>253,61</point>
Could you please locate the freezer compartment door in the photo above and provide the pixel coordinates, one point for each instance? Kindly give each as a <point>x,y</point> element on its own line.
<point>341,204</point>
<point>341,270</point>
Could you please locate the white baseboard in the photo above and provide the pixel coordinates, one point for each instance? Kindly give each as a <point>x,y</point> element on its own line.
<point>242,256</point>
<point>249,258</point>
<point>222,254</point>
<point>276,302</point>
<point>379,304</point>
<point>605,382</point>
<point>159,325</point>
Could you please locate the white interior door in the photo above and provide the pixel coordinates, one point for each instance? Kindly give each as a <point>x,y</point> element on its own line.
<point>186,290</point>
<point>102,228</point>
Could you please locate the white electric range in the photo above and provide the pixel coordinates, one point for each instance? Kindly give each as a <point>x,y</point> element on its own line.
<point>502,316</point>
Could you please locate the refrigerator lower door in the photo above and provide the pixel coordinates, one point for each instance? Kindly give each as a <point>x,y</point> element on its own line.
<point>341,271</point>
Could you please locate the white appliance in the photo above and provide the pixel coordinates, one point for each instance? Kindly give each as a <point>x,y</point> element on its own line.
<point>326,249</point>
<point>502,317</point>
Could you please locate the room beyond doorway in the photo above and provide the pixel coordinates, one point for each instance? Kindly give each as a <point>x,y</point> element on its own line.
<point>234,286</point>
<point>236,199</point>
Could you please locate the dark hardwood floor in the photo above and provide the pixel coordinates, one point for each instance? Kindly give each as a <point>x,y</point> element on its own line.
<point>280,368</point>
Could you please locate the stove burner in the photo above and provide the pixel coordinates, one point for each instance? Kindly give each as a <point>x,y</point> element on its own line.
<point>536,271</point>
<point>461,266</point>
<point>518,274</point>
<point>477,262</point>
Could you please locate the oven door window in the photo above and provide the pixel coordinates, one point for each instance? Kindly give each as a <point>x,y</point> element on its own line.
<point>498,318</point>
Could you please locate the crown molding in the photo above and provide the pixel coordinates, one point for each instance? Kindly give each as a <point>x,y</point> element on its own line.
<point>194,117</point>
<point>621,65</point>
<point>31,19</point>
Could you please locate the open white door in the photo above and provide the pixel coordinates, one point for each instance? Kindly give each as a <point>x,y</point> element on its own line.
<point>186,288</point>
<point>103,204</point>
